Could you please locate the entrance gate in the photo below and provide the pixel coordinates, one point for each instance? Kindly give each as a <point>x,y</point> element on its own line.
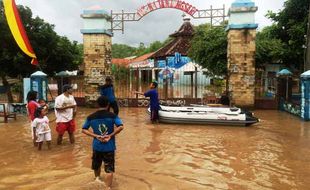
<point>215,16</point>
<point>100,25</point>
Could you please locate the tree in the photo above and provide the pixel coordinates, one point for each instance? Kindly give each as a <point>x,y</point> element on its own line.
<point>268,49</point>
<point>209,49</point>
<point>122,51</point>
<point>54,53</point>
<point>290,28</point>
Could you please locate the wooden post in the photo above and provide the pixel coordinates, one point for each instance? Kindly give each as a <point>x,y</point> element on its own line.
<point>171,89</point>
<point>130,81</point>
<point>192,84</point>
<point>137,82</point>
<point>196,81</point>
<point>166,88</point>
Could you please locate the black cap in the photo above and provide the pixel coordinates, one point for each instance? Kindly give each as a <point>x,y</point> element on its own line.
<point>66,87</point>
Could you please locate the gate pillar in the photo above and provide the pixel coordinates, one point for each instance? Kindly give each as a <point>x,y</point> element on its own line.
<point>241,53</point>
<point>97,40</point>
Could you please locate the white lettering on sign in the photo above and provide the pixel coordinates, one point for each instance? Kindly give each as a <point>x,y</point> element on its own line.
<point>161,4</point>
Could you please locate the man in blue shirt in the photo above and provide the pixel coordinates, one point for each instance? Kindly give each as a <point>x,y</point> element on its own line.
<point>154,101</point>
<point>108,90</point>
<point>103,132</point>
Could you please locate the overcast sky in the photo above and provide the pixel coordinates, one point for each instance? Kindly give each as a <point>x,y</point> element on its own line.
<point>65,15</point>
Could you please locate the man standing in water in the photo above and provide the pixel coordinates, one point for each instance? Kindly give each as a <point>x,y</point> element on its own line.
<point>108,90</point>
<point>105,126</point>
<point>65,111</point>
<point>154,101</point>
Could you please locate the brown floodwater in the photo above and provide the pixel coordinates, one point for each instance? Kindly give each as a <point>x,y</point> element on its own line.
<point>274,154</point>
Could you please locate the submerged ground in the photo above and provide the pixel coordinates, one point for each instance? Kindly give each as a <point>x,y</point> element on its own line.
<point>274,154</point>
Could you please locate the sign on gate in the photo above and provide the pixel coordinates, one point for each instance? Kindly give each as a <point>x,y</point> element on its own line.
<point>216,16</point>
<point>161,4</point>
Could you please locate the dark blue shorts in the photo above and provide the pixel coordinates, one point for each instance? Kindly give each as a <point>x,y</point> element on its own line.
<point>108,158</point>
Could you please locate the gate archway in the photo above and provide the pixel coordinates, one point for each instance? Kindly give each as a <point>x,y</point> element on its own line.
<point>99,26</point>
<point>215,16</point>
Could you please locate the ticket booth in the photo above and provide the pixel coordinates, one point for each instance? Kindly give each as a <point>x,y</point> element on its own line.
<point>38,82</point>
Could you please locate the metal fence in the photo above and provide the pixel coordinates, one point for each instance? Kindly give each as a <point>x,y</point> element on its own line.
<point>125,88</point>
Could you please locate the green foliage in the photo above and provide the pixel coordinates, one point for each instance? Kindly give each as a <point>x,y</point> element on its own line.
<point>152,48</point>
<point>290,27</point>
<point>209,49</point>
<point>219,82</point>
<point>54,53</point>
<point>217,86</point>
<point>123,51</point>
<point>17,87</point>
<point>120,73</point>
<point>268,48</point>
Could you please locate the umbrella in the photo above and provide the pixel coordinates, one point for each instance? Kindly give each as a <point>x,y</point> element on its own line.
<point>286,73</point>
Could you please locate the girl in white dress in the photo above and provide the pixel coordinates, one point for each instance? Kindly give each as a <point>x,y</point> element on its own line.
<point>41,127</point>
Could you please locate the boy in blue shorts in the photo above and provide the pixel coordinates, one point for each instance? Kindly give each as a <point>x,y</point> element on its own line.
<point>103,132</point>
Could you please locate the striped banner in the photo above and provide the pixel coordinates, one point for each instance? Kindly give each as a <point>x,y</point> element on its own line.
<point>18,30</point>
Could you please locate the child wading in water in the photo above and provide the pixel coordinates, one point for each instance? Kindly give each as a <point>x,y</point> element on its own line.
<point>41,128</point>
<point>32,105</point>
<point>154,102</point>
<point>43,104</point>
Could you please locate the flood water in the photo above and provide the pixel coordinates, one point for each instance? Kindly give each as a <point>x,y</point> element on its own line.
<point>274,154</point>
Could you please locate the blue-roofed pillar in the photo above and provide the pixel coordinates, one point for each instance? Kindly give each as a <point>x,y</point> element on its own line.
<point>97,41</point>
<point>241,52</point>
<point>305,96</point>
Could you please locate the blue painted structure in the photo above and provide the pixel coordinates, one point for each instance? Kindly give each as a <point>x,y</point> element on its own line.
<point>175,62</point>
<point>175,69</point>
<point>243,3</point>
<point>27,88</point>
<point>38,82</point>
<point>305,95</point>
<point>96,21</point>
<point>169,65</point>
<point>242,15</point>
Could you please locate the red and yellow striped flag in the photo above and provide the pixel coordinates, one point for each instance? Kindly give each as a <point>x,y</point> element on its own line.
<point>18,30</point>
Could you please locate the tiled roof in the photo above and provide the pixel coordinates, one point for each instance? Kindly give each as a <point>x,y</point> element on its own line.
<point>126,61</point>
<point>121,62</point>
<point>142,58</point>
<point>181,42</point>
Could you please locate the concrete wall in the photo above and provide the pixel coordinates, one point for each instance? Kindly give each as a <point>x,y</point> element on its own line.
<point>241,66</point>
<point>97,63</point>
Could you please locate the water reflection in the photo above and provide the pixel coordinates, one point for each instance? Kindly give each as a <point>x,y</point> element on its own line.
<point>153,151</point>
<point>273,154</point>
